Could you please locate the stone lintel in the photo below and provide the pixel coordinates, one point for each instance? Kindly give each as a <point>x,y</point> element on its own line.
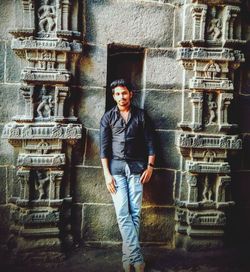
<point>50,76</point>
<point>188,140</point>
<point>18,131</point>
<point>207,167</point>
<point>47,44</point>
<point>216,54</point>
<point>211,84</point>
<point>41,160</point>
<point>208,219</point>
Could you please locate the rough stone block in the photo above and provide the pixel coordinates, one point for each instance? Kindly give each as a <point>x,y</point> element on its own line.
<point>99,223</point>
<point>159,191</point>
<point>5,223</point>
<point>3,185</point>
<point>144,24</point>
<point>90,186</point>
<point>14,65</point>
<point>92,156</point>
<point>6,150</point>
<point>93,66</point>
<point>90,107</point>
<point>178,30</point>
<point>79,149</point>
<point>9,96</point>
<point>167,155</point>
<point>162,69</point>
<point>157,225</point>
<point>7,15</point>
<point>161,107</point>
<point>2,64</point>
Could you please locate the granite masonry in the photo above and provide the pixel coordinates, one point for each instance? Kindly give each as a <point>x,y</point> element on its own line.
<point>188,61</point>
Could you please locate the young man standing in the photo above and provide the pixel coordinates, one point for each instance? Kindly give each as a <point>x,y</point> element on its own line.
<point>127,155</point>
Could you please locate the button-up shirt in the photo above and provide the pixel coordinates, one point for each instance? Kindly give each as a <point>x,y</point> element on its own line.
<point>122,142</point>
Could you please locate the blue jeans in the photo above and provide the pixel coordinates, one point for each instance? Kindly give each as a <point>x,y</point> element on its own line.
<point>128,201</point>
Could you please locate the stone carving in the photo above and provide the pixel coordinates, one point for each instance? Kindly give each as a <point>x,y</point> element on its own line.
<point>209,141</point>
<point>38,160</point>
<point>212,107</point>
<point>212,70</point>
<point>50,131</point>
<point>42,184</point>
<point>207,167</point>
<point>199,17</point>
<point>207,191</point>
<point>46,106</point>
<point>210,84</point>
<point>47,15</point>
<point>38,76</point>
<point>40,218</point>
<point>214,26</point>
<point>206,218</point>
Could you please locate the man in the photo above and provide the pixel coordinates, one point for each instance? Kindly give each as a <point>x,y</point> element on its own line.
<point>127,155</point>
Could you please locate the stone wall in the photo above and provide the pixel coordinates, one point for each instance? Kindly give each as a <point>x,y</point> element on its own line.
<point>147,34</point>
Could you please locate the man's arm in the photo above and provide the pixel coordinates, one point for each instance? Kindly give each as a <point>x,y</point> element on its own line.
<point>110,182</point>
<point>105,149</point>
<point>149,141</point>
<point>146,175</point>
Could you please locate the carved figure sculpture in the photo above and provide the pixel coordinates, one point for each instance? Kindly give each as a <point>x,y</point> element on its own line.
<point>45,107</point>
<point>214,26</point>
<point>212,106</point>
<point>40,184</point>
<point>212,70</point>
<point>207,192</point>
<point>46,15</point>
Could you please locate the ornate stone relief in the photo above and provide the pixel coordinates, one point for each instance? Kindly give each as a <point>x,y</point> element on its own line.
<point>41,130</point>
<point>206,140</point>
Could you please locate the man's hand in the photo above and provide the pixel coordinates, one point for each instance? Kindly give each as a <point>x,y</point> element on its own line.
<point>146,175</point>
<point>110,183</point>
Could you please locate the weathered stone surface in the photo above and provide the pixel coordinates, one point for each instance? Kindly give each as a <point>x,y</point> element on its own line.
<point>161,107</point>
<point>157,225</point>
<point>76,226</point>
<point>8,93</point>
<point>166,152</point>
<point>159,191</point>
<point>90,107</point>
<point>99,223</point>
<point>7,15</point>
<point>14,65</point>
<point>5,223</point>
<point>90,186</point>
<point>144,24</point>
<point>2,56</point>
<point>6,150</point>
<point>3,185</point>
<point>179,24</point>
<point>93,66</point>
<point>92,156</point>
<point>162,69</point>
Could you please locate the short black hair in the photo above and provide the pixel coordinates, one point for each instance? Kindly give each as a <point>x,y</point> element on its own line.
<point>120,82</point>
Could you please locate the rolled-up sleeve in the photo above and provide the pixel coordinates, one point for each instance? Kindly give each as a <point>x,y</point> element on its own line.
<point>105,137</point>
<point>149,135</point>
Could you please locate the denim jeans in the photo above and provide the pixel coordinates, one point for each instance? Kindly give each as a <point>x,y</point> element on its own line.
<point>127,201</point>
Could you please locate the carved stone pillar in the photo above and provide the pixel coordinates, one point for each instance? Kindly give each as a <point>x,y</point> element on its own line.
<point>204,186</point>
<point>43,131</point>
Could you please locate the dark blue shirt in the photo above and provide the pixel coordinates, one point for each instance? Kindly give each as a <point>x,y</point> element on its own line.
<point>130,142</point>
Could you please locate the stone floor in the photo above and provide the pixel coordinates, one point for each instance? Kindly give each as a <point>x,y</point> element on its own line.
<point>89,259</point>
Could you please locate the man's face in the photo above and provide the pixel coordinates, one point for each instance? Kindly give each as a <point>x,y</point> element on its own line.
<point>122,96</point>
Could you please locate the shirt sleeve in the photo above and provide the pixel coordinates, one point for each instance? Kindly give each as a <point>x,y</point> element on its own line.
<point>105,137</point>
<point>149,135</point>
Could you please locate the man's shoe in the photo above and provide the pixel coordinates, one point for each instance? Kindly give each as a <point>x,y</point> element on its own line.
<point>139,267</point>
<point>127,267</point>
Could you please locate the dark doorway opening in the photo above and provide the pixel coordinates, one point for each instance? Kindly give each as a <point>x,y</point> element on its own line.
<point>124,62</point>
